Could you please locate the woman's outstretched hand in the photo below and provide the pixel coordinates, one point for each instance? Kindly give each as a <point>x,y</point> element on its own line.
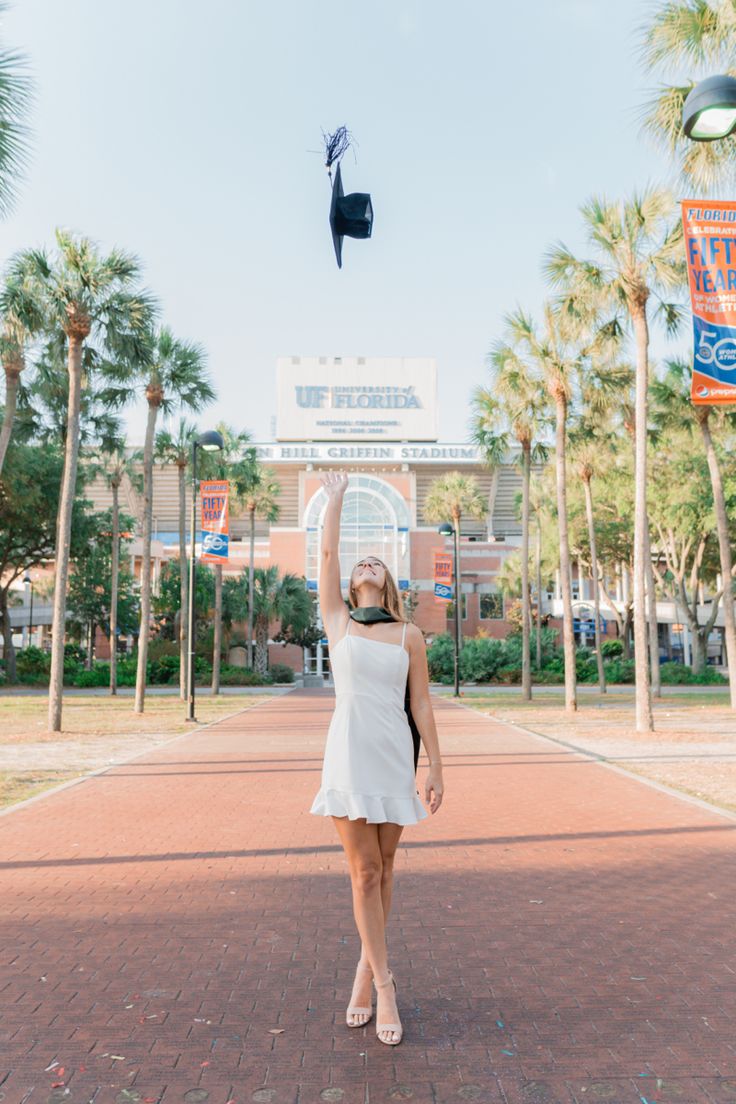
<point>434,789</point>
<point>335,483</point>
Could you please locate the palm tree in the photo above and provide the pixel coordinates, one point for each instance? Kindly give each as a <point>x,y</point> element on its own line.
<point>557,362</point>
<point>260,500</point>
<point>93,300</point>
<point>455,496</point>
<point>674,409</point>
<point>236,463</point>
<point>22,317</point>
<point>175,375</point>
<point>16,93</point>
<point>176,448</point>
<point>115,467</point>
<point>697,36</point>
<point>514,403</point>
<point>285,599</point>
<point>638,258</point>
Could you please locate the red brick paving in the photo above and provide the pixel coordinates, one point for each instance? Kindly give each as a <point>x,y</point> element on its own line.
<point>560,933</point>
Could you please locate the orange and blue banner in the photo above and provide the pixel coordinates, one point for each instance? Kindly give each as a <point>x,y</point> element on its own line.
<point>710,247</point>
<point>215,520</point>
<point>443,576</point>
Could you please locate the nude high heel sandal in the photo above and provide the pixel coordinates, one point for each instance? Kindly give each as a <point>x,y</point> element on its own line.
<point>356,1009</point>
<point>395,1028</point>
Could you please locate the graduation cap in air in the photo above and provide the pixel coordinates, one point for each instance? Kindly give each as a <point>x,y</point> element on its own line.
<point>351,215</point>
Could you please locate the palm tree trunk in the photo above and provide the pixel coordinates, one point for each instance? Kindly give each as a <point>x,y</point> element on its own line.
<point>251,572</point>
<point>568,636</point>
<point>652,622</point>
<point>12,377</point>
<point>64,532</point>
<point>261,660</point>
<point>644,719</point>
<point>539,593</point>
<point>8,646</point>
<point>724,547</point>
<point>596,587</point>
<point>526,659</point>
<point>217,636</point>
<point>184,584</point>
<point>114,573</point>
<point>140,678</point>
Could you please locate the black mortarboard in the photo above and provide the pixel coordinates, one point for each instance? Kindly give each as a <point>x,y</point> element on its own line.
<point>350,215</point>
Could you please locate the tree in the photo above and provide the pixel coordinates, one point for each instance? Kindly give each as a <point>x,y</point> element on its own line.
<point>93,300</point>
<point>674,409</point>
<point>638,257</point>
<point>29,504</point>
<point>514,405</point>
<point>21,318</point>
<point>557,363</point>
<point>454,496</point>
<point>278,598</point>
<point>115,467</point>
<point>697,36</point>
<point>99,595</point>
<point>260,500</point>
<point>236,463</point>
<point>176,448</point>
<point>16,94</point>
<point>175,375</point>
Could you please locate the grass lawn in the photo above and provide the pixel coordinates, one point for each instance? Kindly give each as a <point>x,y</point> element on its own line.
<point>97,731</point>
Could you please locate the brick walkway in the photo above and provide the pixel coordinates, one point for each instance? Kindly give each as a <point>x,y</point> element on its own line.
<point>178,929</point>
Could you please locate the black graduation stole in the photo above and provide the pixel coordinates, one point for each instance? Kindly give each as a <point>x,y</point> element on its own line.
<point>368,615</point>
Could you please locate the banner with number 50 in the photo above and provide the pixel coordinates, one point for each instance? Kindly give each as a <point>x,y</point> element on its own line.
<point>710,245</point>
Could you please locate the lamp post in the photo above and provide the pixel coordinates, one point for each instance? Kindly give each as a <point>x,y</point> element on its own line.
<point>211,441</point>
<point>709,112</point>
<point>448,530</point>
<point>29,584</point>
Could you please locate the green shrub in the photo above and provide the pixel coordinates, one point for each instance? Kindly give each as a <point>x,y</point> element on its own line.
<point>612,649</point>
<point>481,658</point>
<point>677,674</point>
<point>127,668</point>
<point>441,659</point>
<point>509,675</point>
<point>619,670</point>
<point>242,676</point>
<point>549,676</point>
<point>586,668</point>
<point>281,672</point>
<point>32,665</point>
<point>513,642</point>
<point>165,669</point>
<point>98,676</point>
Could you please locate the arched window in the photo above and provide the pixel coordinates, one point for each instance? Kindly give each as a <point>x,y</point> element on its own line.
<point>375,520</point>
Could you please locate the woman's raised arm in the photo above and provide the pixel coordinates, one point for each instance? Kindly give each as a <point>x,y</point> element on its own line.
<point>332,606</point>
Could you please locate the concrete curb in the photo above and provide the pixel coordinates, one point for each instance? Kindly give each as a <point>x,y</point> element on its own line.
<point>120,762</point>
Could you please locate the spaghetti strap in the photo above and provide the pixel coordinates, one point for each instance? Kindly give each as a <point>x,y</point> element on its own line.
<point>403,635</point>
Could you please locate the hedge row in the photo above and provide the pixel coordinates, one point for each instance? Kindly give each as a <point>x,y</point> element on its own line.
<point>483,659</point>
<point>33,665</point>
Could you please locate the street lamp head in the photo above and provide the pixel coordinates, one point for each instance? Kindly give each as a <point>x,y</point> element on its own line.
<point>709,112</point>
<point>445,529</point>
<point>27,578</point>
<point>211,441</point>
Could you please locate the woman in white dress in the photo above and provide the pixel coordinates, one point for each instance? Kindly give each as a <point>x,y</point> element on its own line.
<point>368,775</point>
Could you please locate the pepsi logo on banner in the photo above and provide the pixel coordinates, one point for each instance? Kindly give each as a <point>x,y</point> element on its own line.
<point>710,246</point>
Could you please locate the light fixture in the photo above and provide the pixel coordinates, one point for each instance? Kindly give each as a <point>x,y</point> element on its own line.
<point>445,529</point>
<point>709,112</point>
<point>211,441</point>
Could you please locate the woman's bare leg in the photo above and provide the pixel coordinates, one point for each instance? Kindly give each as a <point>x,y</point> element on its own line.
<point>365,847</point>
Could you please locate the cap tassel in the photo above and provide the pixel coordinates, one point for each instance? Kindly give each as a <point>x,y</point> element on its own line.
<point>336,146</point>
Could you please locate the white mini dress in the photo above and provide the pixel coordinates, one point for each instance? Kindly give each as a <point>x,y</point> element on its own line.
<point>368,768</point>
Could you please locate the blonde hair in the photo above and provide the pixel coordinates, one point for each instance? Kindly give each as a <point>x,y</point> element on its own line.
<point>390,596</point>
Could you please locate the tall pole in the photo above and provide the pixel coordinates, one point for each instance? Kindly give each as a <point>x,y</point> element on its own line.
<point>30,618</point>
<point>190,619</point>
<point>456,571</point>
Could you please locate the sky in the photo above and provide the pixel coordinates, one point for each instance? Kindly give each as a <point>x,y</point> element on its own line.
<point>191,135</point>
